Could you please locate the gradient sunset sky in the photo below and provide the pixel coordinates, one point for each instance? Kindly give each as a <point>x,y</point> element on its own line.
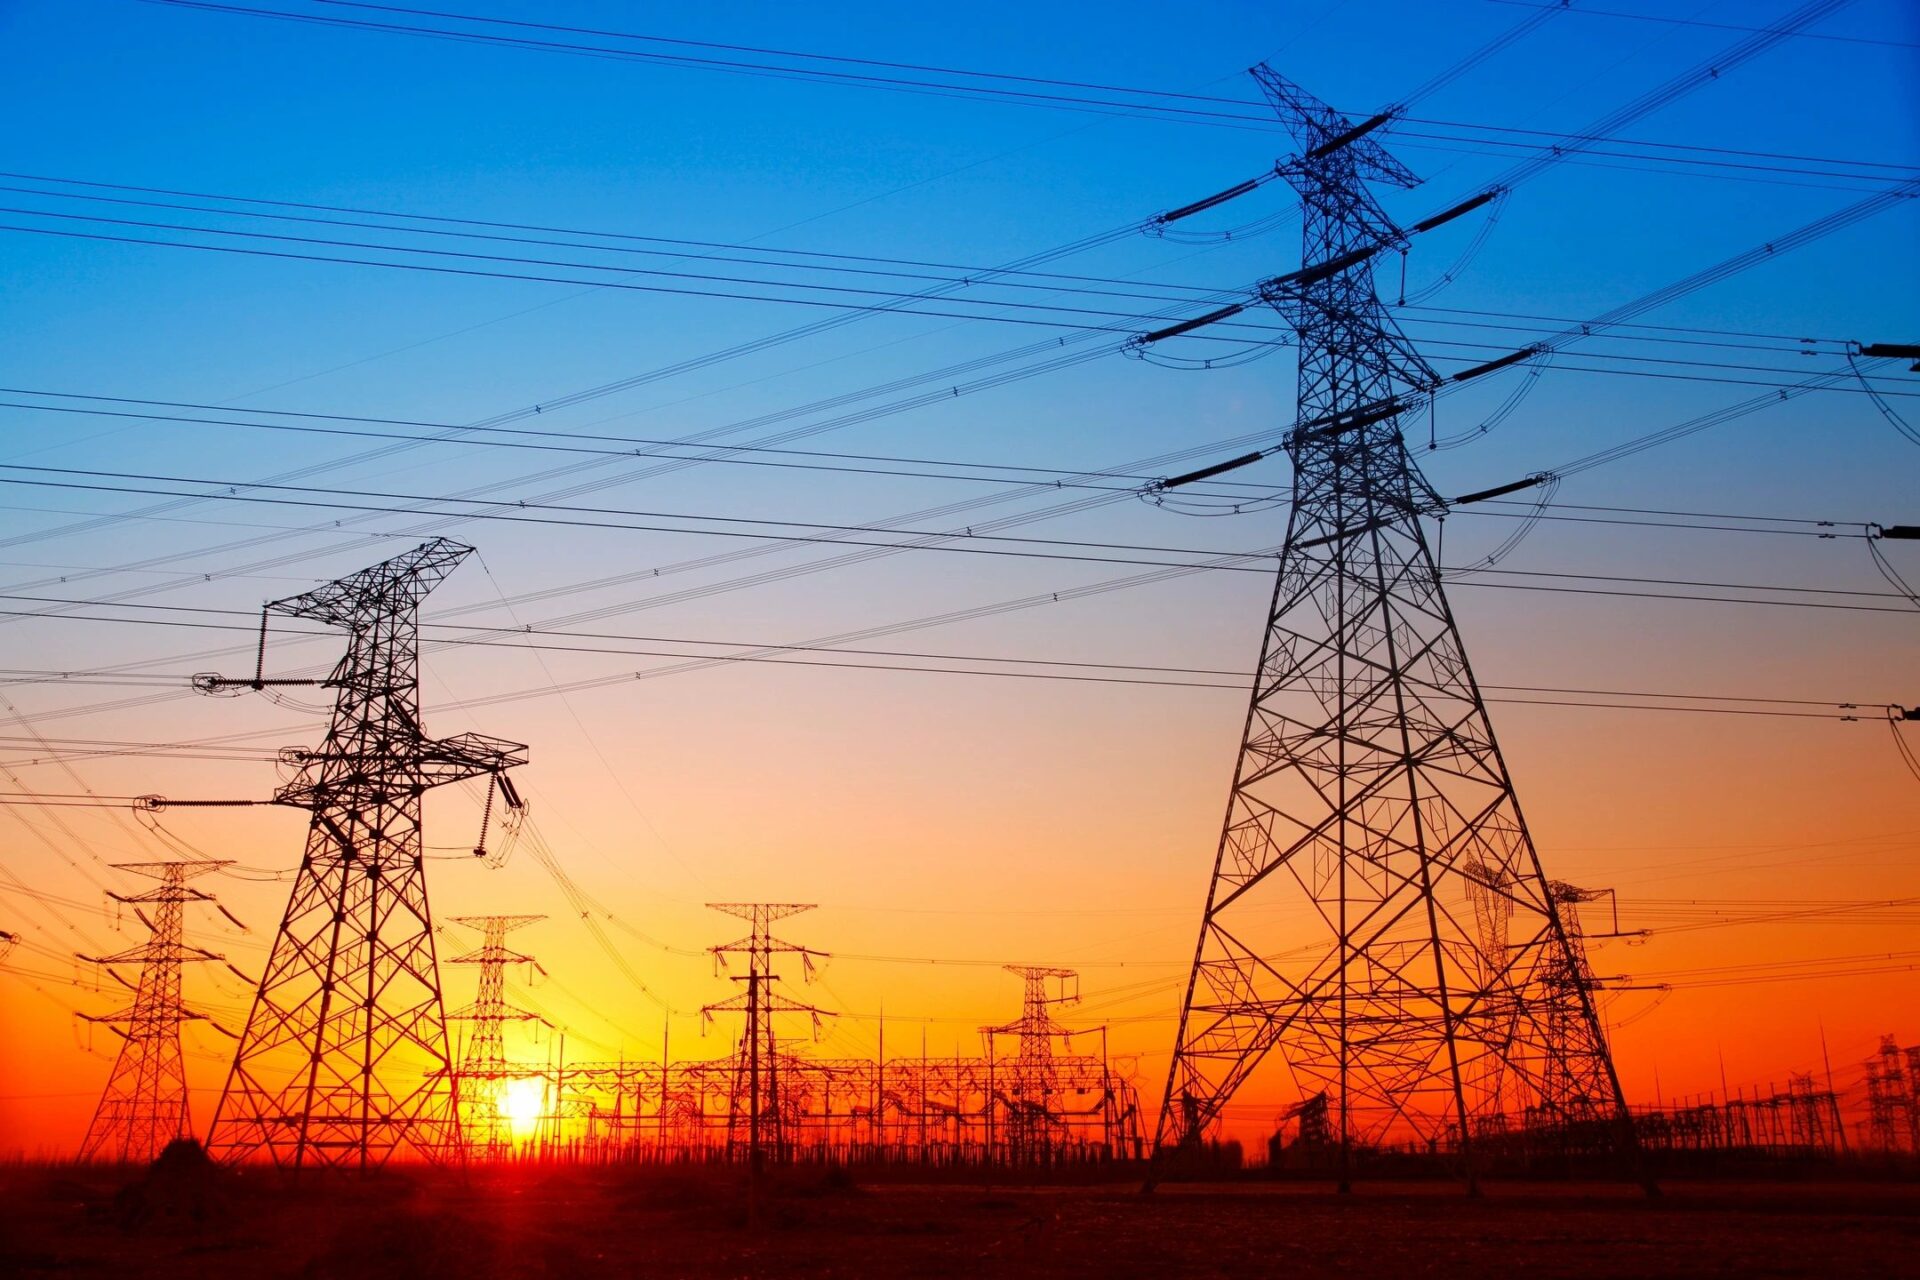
<point>944,822</point>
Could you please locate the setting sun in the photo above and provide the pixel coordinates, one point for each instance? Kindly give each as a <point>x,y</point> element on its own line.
<point>521,1103</point>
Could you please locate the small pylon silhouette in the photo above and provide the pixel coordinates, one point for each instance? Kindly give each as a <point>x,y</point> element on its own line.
<point>1031,1090</point>
<point>755,1097</point>
<point>144,1106</point>
<point>484,1070</point>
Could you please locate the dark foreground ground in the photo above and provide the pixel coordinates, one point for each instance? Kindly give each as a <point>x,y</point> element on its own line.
<point>423,1226</point>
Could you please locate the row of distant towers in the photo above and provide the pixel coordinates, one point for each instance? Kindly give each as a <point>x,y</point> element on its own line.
<point>1446,991</point>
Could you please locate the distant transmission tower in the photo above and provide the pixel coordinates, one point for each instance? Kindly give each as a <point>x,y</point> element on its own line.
<point>484,1069</point>
<point>756,1122</point>
<point>344,1060</point>
<point>1032,1090</point>
<point>144,1106</point>
<point>1371,813</point>
<point>1890,1103</point>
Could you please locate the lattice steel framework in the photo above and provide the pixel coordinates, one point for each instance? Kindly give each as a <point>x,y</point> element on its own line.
<point>344,1060</point>
<point>144,1106</point>
<point>484,1069</point>
<point>1371,814</point>
<point>758,1115</point>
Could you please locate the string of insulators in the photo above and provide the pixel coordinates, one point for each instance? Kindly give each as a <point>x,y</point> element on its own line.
<point>1352,135</point>
<point>1332,266</point>
<point>1895,351</point>
<point>1201,206</point>
<point>486,815</point>
<point>1188,326</point>
<point>1352,419</point>
<point>260,654</point>
<point>1367,526</point>
<point>1460,210</point>
<point>1232,464</point>
<point>1901,532</point>
<point>1513,358</point>
<point>1500,491</point>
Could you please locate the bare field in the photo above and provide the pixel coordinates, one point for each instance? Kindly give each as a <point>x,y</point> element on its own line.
<point>535,1223</point>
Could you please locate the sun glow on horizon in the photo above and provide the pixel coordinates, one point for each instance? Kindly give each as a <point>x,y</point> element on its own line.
<point>521,1104</point>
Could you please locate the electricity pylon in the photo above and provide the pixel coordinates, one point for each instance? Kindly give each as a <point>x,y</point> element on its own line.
<point>1032,1090</point>
<point>755,1096</point>
<point>144,1106</point>
<point>484,1069</point>
<point>344,1060</point>
<point>1371,815</point>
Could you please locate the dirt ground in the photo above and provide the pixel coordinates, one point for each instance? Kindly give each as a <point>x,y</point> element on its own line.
<point>532,1223</point>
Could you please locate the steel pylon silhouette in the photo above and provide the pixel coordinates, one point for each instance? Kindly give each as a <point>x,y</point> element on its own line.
<point>756,1115</point>
<point>144,1106</point>
<point>484,1069</point>
<point>1377,915</point>
<point>344,1059</point>
<point>1031,1092</point>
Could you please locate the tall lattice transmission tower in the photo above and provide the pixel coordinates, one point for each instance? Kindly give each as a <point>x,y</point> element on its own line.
<point>344,1059</point>
<point>1371,814</point>
<point>145,1106</point>
<point>1031,1089</point>
<point>756,1118</point>
<point>484,1070</point>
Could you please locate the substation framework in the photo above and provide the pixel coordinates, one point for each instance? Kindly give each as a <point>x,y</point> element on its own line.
<point>772,1102</point>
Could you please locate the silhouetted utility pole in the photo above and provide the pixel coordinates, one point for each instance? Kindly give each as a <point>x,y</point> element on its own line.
<point>344,1061</point>
<point>144,1106</point>
<point>1371,805</point>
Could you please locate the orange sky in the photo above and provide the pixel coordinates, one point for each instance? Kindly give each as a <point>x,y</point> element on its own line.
<point>949,818</point>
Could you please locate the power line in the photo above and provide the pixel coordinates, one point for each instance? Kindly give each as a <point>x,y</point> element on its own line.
<point>738,526</point>
<point>1639,107</point>
<point>1668,20</point>
<point>1209,109</point>
<point>1080,319</point>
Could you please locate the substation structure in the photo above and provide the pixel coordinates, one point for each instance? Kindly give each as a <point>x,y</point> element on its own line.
<point>936,1111</point>
<point>1041,1100</point>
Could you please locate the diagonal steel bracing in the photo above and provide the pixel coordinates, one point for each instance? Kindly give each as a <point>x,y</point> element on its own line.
<point>344,1061</point>
<point>1438,995</point>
